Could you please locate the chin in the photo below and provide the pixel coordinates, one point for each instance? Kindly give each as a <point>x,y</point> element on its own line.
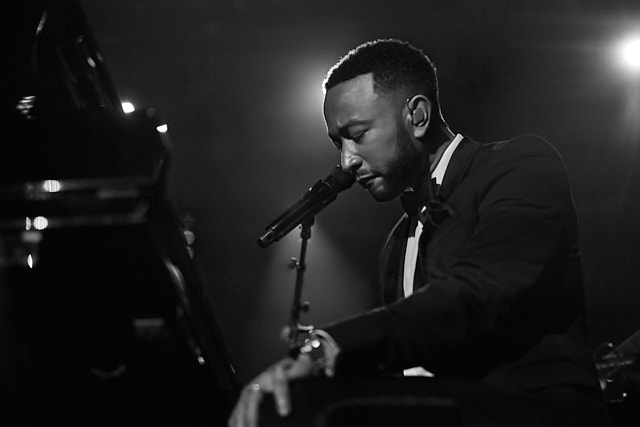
<point>383,195</point>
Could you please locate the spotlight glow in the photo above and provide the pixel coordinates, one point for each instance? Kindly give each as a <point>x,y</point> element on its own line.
<point>630,53</point>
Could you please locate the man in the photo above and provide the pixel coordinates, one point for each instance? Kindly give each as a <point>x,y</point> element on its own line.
<point>482,276</point>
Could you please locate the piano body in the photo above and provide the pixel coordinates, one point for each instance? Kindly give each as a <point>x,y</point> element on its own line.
<point>104,318</point>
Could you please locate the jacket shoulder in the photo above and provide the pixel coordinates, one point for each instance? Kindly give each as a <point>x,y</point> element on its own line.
<point>527,144</point>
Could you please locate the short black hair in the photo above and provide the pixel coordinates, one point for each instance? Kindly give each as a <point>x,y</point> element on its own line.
<point>396,66</point>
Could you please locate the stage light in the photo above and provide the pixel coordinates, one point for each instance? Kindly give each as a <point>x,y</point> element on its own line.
<point>51,186</point>
<point>40,222</point>
<point>630,53</point>
<point>128,107</point>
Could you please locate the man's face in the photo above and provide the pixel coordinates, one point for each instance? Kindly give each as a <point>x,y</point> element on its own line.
<point>373,143</point>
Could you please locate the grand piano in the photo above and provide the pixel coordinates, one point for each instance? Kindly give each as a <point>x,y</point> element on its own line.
<point>104,316</point>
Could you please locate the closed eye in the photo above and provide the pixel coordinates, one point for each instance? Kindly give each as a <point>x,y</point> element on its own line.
<point>359,136</point>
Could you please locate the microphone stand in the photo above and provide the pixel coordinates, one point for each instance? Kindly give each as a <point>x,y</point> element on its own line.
<point>297,306</point>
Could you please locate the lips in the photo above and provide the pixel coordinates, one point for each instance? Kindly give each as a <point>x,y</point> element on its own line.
<point>364,181</point>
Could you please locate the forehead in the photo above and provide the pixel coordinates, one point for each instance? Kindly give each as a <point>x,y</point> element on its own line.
<point>354,99</point>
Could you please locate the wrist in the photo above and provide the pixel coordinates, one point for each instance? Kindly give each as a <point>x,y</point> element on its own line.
<point>322,350</point>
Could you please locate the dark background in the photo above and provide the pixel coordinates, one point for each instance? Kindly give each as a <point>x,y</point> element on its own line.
<point>239,85</point>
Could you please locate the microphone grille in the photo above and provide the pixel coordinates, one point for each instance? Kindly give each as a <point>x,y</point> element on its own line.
<point>339,180</point>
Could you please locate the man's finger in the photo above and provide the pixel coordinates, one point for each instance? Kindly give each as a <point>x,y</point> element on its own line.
<point>281,389</point>
<point>236,419</point>
<point>301,367</point>
<point>252,399</point>
<point>275,380</point>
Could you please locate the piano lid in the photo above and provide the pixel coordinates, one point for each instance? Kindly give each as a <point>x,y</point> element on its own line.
<point>58,60</point>
<point>72,148</point>
<point>104,316</point>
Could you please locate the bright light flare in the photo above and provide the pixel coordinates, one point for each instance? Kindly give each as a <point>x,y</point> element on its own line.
<point>40,222</point>
<point>128,107</point>
<point>630,53</point>
<point>51,186</point>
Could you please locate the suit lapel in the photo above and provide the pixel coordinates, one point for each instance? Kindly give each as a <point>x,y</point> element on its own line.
<point>458,166</point>
<point>392,266</point>
<point>456,171</point>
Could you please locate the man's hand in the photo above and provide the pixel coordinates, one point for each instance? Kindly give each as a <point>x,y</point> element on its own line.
<point>274,380</point>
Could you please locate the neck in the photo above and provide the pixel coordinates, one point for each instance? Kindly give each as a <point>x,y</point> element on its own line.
<point>436,141</point>
<point>446,136</point>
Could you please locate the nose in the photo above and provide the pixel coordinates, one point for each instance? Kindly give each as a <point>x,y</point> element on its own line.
<point>350,161</point>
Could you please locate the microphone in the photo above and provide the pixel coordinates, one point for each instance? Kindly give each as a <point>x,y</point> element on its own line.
<point>313,201</point>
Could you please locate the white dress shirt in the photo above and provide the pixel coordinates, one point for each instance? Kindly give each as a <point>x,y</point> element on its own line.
<point>411,252</point>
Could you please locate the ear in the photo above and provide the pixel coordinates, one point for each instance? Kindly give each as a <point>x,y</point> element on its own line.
<point>419,110</point>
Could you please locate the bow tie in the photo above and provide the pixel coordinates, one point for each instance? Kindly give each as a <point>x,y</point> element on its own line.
<point>433,212</point>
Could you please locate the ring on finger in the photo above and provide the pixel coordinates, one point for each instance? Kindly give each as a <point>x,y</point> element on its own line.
<point>255,387</point>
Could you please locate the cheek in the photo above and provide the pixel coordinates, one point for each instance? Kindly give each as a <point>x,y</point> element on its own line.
<point>378,158</point>
<point>381,153</point>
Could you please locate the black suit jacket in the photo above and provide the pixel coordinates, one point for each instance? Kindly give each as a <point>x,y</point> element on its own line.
<point>503,299</point>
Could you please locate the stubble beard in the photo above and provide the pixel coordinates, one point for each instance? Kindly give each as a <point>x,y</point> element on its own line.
<point>404,169</point>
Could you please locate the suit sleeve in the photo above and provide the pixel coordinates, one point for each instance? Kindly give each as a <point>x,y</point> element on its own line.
<point>508,266</point>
